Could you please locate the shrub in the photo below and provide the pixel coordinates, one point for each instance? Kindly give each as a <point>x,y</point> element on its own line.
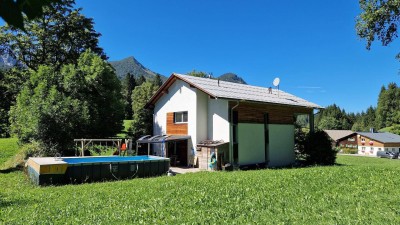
<point>315,148</point>
<point>349,150</point>
<point>32,149</point>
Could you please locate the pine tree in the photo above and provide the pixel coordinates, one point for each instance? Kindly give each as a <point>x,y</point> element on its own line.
<point>140,80</point>
<point>129,85</point>
<point>142,118</point>
<point>157,80</point>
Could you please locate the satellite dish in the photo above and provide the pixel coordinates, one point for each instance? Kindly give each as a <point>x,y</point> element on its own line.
<point>276,81</point>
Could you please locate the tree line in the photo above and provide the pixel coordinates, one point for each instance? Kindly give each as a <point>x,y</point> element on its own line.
<point>62,87</point>
<point>385,116</point>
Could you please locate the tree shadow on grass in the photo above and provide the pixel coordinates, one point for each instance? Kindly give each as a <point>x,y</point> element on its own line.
<point>297,165</point>
<point>301,166</point>
<point>12,203</point>
<point>12,169</point>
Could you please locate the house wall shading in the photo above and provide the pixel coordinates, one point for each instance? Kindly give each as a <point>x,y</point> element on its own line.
<point>218,120</point>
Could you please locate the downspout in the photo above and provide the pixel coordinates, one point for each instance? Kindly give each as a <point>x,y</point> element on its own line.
<point>231,134</point>
<point>312,118</point>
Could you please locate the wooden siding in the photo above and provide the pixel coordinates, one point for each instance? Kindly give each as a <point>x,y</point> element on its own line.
<point>375,143</point>
<point>278,114</point>
<point>175,128</point>
<point>346,141</point>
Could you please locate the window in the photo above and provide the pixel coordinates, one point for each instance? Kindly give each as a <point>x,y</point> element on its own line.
<point>351,139</point>
<point>362,139</point>
<point>181,117</point>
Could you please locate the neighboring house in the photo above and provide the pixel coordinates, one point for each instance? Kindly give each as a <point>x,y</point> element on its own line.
<point>256,123</point>
<point>369,143</point>
<point>343,138</point>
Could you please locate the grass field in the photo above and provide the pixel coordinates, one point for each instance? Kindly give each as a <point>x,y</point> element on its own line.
<point>360,190</point>
<point>124,132</point>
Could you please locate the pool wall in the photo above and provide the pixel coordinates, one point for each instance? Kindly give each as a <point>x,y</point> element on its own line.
<point>72,170</point>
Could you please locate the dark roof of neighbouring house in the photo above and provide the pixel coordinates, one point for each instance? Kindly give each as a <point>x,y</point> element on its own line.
<point>228,90</point>
<point>382,137</point>
<point>338,134</point>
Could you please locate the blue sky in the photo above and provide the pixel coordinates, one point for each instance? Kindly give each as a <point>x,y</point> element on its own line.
<point>311,45</point>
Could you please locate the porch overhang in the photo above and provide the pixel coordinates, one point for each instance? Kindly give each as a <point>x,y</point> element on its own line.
<point>162,139</point>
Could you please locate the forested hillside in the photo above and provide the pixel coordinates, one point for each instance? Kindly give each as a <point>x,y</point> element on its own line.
<point>384,117</point>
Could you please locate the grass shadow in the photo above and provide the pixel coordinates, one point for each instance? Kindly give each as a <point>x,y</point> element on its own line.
<point>296,165</point>
<point>12,169</point>
<point>19,202</point>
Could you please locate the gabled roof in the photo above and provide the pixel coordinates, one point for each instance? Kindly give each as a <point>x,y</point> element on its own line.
<point>382,137</point>
<point>228,90</point>
<point>338,134</point>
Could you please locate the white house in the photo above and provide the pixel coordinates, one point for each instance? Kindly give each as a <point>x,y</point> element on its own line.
<point>256,122</point>
<point>369,143</point>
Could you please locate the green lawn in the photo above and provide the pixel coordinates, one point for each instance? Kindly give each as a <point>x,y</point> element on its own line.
<point>8,148</point>
<point>359,190</point>
<point>124,132</point>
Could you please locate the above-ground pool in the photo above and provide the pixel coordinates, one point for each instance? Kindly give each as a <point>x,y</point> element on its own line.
<point>65,170</point>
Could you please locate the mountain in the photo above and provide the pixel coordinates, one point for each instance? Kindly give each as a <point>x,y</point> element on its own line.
<point>132,66</point>
<point>129,65</point>
<point>231,77</point>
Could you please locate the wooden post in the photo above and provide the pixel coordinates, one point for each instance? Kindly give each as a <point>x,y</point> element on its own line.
<point>83,146</point>
<point>174,147</point>
<point>119,147</point>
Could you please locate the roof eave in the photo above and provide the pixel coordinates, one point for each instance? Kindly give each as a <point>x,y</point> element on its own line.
<point>272,103</point>
<point>167,84</point>
<point>156,95</point>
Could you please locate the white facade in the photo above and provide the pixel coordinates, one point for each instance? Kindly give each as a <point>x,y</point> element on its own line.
<point>207,118</point>
<point>218,120</point>
<point>201,116</point>
<point>372,150</point>
<point>180,97</point>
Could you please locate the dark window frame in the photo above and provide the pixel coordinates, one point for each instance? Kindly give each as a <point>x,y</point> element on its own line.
<point>179,117</point>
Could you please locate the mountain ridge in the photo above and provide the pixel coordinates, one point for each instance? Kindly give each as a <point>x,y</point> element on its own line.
<point>133,66</point>
<point>232,77</point>
<point>129,65</point>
